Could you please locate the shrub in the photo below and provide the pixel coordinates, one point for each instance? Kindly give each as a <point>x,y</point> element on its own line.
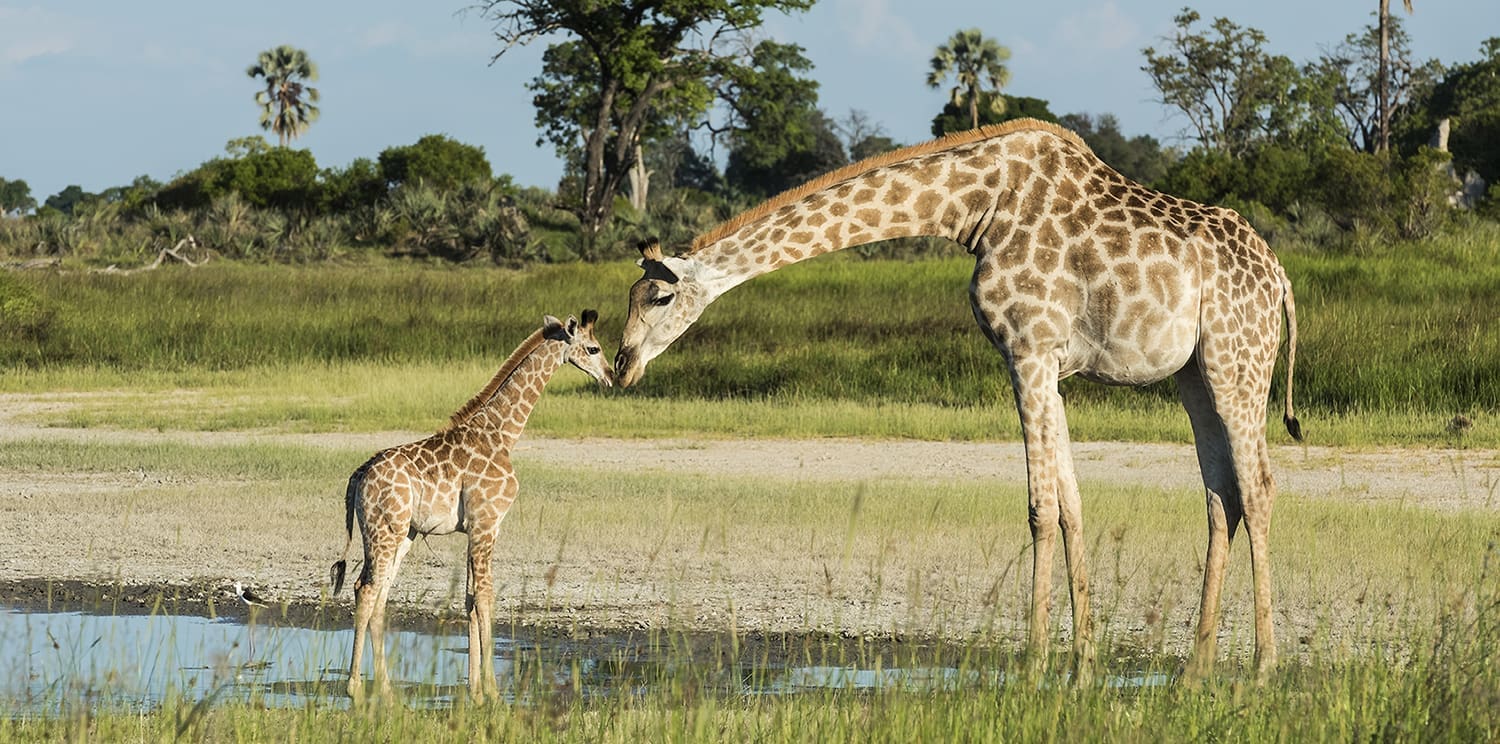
<point>23,316</point>
<point>436,160</point>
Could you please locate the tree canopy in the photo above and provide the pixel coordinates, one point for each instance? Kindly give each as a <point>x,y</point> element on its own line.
<point>977,64</point>
<point>624,58</point>
<point>1232,91</point>
<point>287,101</point>
<point>15,196</point>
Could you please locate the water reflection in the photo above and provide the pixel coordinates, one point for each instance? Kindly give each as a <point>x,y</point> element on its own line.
<point>52,660</point>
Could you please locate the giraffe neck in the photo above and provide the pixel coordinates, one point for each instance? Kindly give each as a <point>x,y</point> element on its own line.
<point>968,193</point>
<point>500,417</point>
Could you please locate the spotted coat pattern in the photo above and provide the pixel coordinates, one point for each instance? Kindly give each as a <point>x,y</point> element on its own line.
<point>459,479</point>
<point>1078,270</point>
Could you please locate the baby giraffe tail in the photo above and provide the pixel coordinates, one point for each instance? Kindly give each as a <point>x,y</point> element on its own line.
<point>340,567</point>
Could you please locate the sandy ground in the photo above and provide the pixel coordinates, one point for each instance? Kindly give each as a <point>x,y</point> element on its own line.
<point>98,532</point>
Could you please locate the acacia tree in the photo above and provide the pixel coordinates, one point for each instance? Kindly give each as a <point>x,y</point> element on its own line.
<point>623,58</point>
<point>1231,90</point>
<point>287,101</point>
<point>972,60</point>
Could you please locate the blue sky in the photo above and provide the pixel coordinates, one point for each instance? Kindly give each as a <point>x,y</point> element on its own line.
<point>96,93</point>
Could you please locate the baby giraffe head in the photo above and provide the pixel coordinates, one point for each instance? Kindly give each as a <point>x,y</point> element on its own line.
<point>583,349</point>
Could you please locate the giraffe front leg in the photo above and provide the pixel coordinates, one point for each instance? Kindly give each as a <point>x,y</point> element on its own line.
<point>1223,520</point>
<point>1035,383</point>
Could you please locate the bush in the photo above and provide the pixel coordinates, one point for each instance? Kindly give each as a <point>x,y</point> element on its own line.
<point>23,316</point>
<point>281,178</point>
<point>471,221</point>
<point>438,161</point>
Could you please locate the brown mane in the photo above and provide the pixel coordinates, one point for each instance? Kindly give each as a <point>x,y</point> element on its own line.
<point>878,161</point>
<point>484,396</point>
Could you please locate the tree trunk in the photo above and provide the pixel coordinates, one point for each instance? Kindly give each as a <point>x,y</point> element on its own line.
<point>1382,87</point>
<point>974,108</point>
<point>640,180</point>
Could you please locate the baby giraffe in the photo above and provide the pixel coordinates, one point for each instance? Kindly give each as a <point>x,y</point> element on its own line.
<point>457,480</point>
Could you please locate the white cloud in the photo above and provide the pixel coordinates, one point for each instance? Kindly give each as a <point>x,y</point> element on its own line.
<point>1102,27</point>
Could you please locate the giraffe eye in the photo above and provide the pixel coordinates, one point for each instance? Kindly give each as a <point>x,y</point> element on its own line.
<point>662,300</point>
<point>592,350</point>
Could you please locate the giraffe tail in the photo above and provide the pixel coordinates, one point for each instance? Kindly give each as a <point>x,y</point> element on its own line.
<point>1289,307</point>
<point>340,567</point>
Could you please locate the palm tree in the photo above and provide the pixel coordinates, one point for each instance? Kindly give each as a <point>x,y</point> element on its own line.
<point>971,59</point>
<point>287,102</point>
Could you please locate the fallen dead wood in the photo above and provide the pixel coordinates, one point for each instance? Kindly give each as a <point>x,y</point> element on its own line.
<point>174,253</point>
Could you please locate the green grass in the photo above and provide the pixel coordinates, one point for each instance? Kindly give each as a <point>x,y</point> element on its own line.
<point>1395,342</point>
<point>419,396</point>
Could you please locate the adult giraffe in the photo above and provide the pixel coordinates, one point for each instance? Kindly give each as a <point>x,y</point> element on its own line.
<point>1078,271</point>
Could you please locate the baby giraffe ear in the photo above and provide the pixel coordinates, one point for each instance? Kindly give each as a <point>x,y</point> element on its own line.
<point>590,317</point>
<point>572,325</point>
<point>553,328</point>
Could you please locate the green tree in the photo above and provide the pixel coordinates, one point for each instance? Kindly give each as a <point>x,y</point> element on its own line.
<point>622,57</point>
<point>287,101</point>
<point>954,118</point>
<point>1140,158</point>
<point>437,160</point>
<point>1233,93</point>
<point>15,196</point>
<point>358,184</point>
<point>750,170</point>
<point>972,60</point>
<point>70,198</point>
<point>1351,73</point>
<point>773,109</point>
<point>281,178</point>
<point>1469,97</point>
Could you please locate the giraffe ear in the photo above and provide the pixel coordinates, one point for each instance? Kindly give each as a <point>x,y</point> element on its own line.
<point>553,328</point>
<point>572,325</point>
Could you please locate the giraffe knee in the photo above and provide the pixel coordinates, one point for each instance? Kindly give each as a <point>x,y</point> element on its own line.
<point>1043,516</point>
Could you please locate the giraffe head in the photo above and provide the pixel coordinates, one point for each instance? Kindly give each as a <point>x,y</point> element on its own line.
<point>583,349</point>
<point>663,304</point>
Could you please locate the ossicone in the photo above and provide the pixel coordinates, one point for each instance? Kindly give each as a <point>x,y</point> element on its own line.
<point>650,249</point>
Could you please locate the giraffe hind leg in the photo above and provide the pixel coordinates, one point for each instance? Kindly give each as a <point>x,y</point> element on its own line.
<point>1070,519</point>
<point>1222,499</point>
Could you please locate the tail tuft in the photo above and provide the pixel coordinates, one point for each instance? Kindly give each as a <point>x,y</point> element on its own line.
<point>336,575</point>
<point>1293,427</point>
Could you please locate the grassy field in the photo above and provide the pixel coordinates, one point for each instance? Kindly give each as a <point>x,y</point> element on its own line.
<point>1394,343</point>
<point>1387,612</point>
